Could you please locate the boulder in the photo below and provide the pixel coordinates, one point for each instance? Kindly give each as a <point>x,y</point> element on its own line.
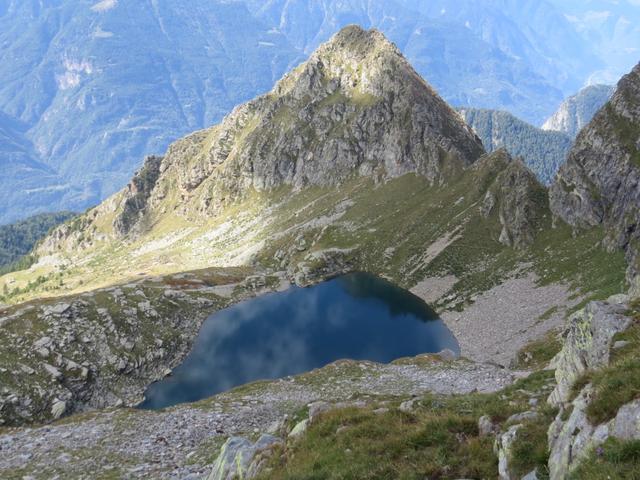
<point>626,425</point>
<point>407,406</point>
<point>58,408</point>
<point>58,309</point>
<point>485,426</point>
<point>502,448</point>
<point>522,417</point>
<point>299,429</point>
<point>53,371</point>
<point>587,344</point>
<point>239,459</point>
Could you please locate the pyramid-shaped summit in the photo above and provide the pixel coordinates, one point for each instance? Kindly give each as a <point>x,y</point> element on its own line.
<point>356,107</point>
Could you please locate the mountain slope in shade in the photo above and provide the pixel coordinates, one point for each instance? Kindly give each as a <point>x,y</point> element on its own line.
<point>543,152</point>
<point>599,183</point>
<point>18,239</point>
<point>578,110</point>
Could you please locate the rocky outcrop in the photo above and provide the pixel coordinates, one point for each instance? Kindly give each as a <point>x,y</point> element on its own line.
<point>587,345</point>
<point>576,112</point>
<point>599,183</point>
<point>587,342</point>
<point>137,195</point>
<point>516,197</point>
<point>571,438</point>
<point>103,349</point>
<point>241,459</point>
<point>503,449</point>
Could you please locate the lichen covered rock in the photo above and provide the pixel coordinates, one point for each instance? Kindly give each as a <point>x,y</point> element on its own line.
<point>241,459</point>
<point>587,344</point>
<point>503,449</point>
<point>570,439</point>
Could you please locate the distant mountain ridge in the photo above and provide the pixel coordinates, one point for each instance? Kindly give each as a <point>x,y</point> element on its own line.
<point>576,112</point>
<point>29,184</point>
<point>543,152</point>
<point>95,94</point>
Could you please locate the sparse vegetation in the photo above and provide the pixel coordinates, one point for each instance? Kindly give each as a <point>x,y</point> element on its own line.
<point>438,439</point>
<point>537,354</point>
<point>530,450</point>
<point>618,383</point>
<point>615,459</point>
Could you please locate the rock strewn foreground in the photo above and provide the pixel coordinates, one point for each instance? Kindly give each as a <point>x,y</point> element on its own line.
<point>182,442</point>
<point>103,348</point>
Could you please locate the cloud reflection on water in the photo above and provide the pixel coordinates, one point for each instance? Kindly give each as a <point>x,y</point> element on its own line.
<point>357,316</point>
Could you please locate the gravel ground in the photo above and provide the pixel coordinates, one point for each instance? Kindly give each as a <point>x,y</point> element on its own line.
<point>182,442</point>
<point>504,319</point>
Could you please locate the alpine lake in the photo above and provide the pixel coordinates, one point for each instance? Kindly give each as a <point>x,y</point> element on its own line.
<point>357,316</point>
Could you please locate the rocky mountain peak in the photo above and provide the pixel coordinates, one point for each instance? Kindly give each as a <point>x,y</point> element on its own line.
<point>576,112</point>
<point>599,184</point>
<point>354,59</point>
<point>355,108</point>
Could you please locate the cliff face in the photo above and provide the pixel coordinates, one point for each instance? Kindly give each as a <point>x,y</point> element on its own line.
<point>576,112</point>
<point>355,108</point>
<point>517,198</point>
<point>599,183</point>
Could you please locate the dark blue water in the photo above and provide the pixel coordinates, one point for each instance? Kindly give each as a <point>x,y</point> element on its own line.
<point>357,316</point>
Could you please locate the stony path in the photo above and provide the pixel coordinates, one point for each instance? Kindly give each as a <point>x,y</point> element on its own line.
<point>182,442</point>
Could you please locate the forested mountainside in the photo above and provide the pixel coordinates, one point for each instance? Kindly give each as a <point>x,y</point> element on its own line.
<point>542,151</point>
<point>18,239</point>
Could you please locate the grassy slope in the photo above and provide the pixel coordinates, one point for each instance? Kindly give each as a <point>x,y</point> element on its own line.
<point>439,438</point>
<point>362,219</point>
<point>614,386</point>
<point>387,228</point>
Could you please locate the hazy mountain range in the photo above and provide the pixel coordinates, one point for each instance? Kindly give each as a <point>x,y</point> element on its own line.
<point>88,88</point>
